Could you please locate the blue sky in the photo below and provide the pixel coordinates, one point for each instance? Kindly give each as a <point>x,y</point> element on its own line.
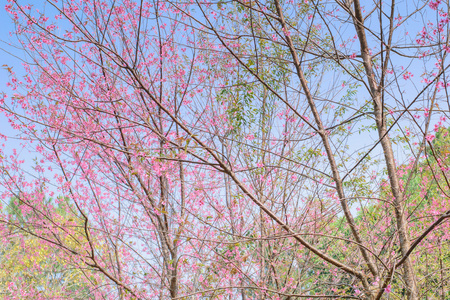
<point>6,26</point>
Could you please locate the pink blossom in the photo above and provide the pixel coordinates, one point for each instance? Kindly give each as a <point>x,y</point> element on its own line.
<point>430,137</point>
<point>434,4</point>
<point>407,75</point>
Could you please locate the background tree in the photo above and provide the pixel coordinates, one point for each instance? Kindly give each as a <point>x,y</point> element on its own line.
<point>423,183</point>
<point>31,269</point>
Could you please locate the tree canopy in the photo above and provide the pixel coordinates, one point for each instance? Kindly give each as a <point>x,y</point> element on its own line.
<point>238,149</point>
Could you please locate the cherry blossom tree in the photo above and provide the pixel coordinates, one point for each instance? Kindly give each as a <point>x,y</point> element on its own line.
<point>234,149</point>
